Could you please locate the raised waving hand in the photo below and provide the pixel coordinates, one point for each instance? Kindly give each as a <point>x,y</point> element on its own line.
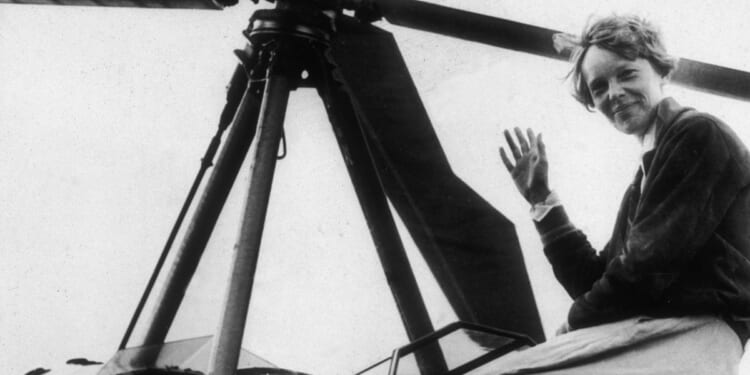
<point>529,167</point>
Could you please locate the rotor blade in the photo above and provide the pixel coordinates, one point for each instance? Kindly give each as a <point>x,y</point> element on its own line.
<point>498,32</point>
<point>470,247</point>
<point>713,79</point>
<point>178,4</point>
<point>470,26</point>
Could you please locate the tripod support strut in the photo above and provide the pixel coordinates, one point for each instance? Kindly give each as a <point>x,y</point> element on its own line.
<point>228,340</point>
<point>373,201</point>
<point>205,215</point>
<point>283,43</point>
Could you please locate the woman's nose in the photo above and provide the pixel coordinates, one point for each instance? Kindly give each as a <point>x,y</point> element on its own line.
<point>615,90</point>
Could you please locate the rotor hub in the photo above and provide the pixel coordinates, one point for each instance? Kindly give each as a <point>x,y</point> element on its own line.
<point>267,25</point>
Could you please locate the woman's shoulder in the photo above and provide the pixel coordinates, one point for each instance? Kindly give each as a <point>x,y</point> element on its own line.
<point>691,124</point>
<point>702,130</point>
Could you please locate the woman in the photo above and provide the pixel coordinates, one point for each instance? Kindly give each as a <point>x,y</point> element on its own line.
<point>675,274</point>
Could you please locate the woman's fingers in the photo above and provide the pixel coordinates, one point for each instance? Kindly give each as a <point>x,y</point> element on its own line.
<point>532,138</point>
<point>540,145</point>
<point>506,161</point>
<point>528,144</point>
<point>512,145</point>
<point>522,140</point>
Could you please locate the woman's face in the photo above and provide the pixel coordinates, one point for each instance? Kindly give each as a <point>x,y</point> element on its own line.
<point>624,91</point>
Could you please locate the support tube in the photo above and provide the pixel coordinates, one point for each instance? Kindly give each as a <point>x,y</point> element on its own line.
<point>228,340</point>
<point>204,219</point>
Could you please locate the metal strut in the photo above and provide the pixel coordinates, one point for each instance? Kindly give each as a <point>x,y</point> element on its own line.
<point>284,42</point>
<point>234,96</point>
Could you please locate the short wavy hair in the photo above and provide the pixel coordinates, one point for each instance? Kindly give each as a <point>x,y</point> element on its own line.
<point>628,36</point>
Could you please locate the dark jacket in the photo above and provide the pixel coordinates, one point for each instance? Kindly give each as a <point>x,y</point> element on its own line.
<point>679,247</point>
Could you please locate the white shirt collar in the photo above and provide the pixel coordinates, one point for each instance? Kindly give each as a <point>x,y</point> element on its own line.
<point>648,143</point>
<point>649,140</point>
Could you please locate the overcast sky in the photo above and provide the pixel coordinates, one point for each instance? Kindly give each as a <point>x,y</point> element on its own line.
<point>105,114</point>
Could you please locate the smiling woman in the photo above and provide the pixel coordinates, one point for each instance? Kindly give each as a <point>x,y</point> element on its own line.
<point>620,70</point>
<point>679,248</point>
<point>624,91</point>
<point>105,113</point>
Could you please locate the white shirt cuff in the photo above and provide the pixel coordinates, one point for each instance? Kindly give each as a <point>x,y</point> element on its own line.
<point>540,210</point>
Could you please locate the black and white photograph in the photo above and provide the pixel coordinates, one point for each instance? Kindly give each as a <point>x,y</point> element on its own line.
<point>374,187</point>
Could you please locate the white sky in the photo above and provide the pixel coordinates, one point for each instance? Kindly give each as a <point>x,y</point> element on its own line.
<point>105,114</point>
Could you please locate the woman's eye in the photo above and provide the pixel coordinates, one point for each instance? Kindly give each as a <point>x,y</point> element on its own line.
<point>597,90</point>
<point>627,74</point>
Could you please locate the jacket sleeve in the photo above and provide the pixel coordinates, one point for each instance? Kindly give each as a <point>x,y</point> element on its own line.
<point>690,187</point>
<point>576,264</point>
